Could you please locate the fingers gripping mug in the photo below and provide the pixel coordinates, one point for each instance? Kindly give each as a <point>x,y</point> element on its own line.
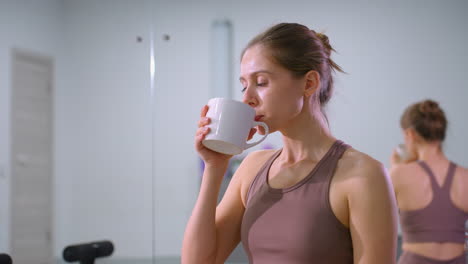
<point>230,125</point>
<point>402,152</point>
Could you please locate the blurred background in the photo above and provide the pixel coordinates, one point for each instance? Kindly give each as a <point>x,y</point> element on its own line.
<point>99,101</point>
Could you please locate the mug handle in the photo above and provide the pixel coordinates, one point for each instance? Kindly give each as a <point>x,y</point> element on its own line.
<point>249,145</point>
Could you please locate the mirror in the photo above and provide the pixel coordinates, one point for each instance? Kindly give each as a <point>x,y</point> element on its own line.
<point>394,54</point>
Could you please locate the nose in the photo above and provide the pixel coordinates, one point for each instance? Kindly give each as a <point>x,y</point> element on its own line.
<point>250,97</point>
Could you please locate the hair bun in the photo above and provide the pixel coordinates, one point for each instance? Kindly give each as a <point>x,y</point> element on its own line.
<point>325,42</point>
<point>328,50</point>
<point>427,118</point>
<point>429,108</point>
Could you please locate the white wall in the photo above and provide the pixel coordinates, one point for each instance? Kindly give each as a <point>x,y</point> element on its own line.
<point>103,151</point>
<point>396,52</point>
<point>105,128</point>
<point>36,27</point>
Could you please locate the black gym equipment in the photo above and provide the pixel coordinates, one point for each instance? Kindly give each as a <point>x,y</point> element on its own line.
<point>5,259</point>
<point>86,253</point>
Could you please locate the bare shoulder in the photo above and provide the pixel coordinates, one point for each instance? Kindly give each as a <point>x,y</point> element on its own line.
<point>365,183</point>
<point>360,172</point>
<point>461,175</point>
<point>249,168</point>
<point>463,172</point>
<point>357,165</point>
<point>460,188</point>
<point>399,173</point>
<point>254,160</point>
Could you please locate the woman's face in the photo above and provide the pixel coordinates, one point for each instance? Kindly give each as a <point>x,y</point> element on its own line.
<point>272,90</point>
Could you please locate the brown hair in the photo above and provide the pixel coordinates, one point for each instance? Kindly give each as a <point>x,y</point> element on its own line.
<point>300,50</point>
<point>427,118</point>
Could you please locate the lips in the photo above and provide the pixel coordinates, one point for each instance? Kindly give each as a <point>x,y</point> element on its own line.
<point>258,117</point>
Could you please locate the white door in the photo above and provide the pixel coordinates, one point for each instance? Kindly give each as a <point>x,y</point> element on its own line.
<point>31,149</point>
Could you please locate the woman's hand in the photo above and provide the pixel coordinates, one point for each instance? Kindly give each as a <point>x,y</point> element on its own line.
<point>401,156</point>
<point>395,159</point>
<point>209,156</point>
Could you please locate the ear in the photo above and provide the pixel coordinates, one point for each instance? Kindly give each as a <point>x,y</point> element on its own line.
<point>406,132</point>
<point>312,83</point>
<point>413,135</point>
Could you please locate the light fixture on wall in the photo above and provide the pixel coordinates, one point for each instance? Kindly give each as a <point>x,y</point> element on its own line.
<point>221,58</point>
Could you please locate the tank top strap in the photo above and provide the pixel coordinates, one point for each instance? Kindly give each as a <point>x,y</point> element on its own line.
<point>337,152</point>
<point>449,179</point>
<point>425,167</point>
<point>261,176</point>
<point>328,166</point>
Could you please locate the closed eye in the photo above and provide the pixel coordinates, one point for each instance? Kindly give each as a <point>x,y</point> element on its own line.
<point>243,89</point>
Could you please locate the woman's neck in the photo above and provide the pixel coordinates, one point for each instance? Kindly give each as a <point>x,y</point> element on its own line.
<point>430,151</point>
<point>307,138</point>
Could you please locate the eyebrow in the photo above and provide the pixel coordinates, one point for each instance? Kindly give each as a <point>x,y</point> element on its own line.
<point>255,73</point>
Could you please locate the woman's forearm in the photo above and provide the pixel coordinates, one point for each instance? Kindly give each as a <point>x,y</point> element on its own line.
<point>199,244</point>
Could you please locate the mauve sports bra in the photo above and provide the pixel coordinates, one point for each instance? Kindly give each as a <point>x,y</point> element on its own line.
<point>296,225</point>
<point>441,220</point>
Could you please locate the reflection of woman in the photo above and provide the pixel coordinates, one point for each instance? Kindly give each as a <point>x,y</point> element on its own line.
<point>431,191</point>
<point>316,200</point>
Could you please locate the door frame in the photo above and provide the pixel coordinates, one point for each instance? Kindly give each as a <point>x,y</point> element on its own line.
<point>34,57</point>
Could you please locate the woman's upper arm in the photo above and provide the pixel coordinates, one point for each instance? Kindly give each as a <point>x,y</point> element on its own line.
<point>230,210</point>
<point>373,216</point>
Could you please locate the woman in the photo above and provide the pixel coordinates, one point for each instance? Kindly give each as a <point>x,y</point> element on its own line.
<point>431,191</point>
<point>317,200</point>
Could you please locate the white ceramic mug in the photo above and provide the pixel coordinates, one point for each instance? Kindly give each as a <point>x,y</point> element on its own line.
<point>230,125</point>
<point>402,152</point>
